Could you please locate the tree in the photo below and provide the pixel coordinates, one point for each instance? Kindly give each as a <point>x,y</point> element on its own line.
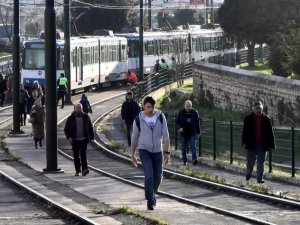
<point>94,18</point>
<point>185,16</point>
<point>253,21</point>
<point>6,18</point>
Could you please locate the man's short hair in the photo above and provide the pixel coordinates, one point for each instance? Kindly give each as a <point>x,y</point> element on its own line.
<point>258,104</point>
<point>129,93</point>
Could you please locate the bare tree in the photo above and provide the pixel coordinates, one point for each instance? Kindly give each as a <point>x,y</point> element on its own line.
<point>6,18</point>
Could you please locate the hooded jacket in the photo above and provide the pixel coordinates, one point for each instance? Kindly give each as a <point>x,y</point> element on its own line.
<point>150,139</point>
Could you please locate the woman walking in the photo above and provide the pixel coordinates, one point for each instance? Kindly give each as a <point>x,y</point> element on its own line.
<point>37,118</point>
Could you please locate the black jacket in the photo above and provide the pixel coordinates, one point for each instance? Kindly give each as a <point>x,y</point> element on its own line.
<point>182,118</point>
<point>130,109</point>
<point>70,127</point>
<point>249,133</point>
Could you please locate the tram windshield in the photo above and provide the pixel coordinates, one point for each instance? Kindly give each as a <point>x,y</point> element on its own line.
<point>34,59</point>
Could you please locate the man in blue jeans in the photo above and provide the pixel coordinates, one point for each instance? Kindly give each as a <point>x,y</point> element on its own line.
<point>150,135</point>
<point>258,138</point>
<point>189,128</point>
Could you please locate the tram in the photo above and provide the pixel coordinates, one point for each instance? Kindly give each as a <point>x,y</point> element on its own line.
<point>104,60</point>
<point>157,45</point>
<point>95,61</point>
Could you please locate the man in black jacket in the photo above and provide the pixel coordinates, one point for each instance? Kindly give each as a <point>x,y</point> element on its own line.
<point>258,138</point>
<point>79,131</point>
<point>130,109</point>
<point>189,128</point>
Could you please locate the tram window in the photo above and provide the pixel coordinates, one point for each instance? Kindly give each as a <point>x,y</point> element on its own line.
<point>165,47</point>
<point>104,53</point>
<point>34,59</point>
<point>194,45</point>
<point>133,46</point>
<point>123,53</point>
<point>112,53</point>
<point>60,59</point>
<point>150,48</point>
<point>96,54</point>
<point>74,58</point>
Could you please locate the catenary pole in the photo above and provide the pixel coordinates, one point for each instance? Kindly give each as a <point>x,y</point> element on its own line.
<point>141,44</point>
<point>50,75</point>
<point>67,48</point>
<point>16,70</point>
<point>149,14</point>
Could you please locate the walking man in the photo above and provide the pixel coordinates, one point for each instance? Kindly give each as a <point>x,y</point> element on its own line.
<point>258,138</point>
<point>189,128</point>
<point>130,109</point>
<point>79,131</point>
<point>61,89</point>
<point>150,135</point>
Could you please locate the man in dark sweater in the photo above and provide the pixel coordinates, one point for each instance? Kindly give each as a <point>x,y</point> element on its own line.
<point>189,128</point>
<point>130,109</point>
<point>79,131</point>
<point>258,138</point>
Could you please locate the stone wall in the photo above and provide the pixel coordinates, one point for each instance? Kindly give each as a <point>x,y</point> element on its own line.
<point>235,89</point>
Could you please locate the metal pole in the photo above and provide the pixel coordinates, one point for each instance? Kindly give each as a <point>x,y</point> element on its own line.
<point>214,140</point>
<point>293,152</point>
<point>67,49</point>
<point>231,142</point>
<point>50,69</point>
<point>16,70</point>
<point>141,44</point>
<point>149,14</point>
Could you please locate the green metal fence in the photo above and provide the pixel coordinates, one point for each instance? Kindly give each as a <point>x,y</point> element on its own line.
<point>223,140</point>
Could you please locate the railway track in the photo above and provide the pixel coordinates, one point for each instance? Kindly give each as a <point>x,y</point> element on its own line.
<point>30,207</point>
<point>223,199</point>
<point>226,204</point>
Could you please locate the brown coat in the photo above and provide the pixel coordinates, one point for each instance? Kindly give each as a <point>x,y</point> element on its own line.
<point>37,118</point>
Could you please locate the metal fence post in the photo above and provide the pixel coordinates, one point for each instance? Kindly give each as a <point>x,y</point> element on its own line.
<point>175,132</point>
<point>270,161</point>
<point>231,142</point>
<point>293,152</point>
<point>214,140</point>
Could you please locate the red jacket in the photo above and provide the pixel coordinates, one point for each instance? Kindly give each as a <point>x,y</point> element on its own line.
<point>131,78</point>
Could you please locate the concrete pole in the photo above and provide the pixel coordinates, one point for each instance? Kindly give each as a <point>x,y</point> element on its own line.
<point>16,70</point>
<point>50,75</point>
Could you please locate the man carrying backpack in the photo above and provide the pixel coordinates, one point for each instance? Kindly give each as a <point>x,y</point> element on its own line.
<point>130,109</point>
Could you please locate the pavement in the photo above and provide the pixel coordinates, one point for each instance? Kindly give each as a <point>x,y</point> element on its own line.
<point>94,191</point>
<point>84,194</point>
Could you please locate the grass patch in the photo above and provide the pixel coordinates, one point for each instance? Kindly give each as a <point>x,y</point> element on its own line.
<point>202,175</point>
<point>187,87</point>
<point>259,188</point>
<point>171,103</point>
<point>125,210</point>
<point>259,68</point>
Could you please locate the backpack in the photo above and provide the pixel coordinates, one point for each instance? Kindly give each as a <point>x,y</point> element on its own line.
<point>138,124</point>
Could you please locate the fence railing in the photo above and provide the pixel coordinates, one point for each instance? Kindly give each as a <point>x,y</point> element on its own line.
<point>223,140</point>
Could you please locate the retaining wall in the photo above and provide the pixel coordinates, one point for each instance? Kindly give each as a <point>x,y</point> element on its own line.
<point>235,89</point>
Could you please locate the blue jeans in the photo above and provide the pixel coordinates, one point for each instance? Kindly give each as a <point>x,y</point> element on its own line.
<point>184,142</point>
<point>153,169</point>
<point>260,154</point>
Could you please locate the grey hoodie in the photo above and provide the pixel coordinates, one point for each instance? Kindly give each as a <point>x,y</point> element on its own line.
<point>150,139</point>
